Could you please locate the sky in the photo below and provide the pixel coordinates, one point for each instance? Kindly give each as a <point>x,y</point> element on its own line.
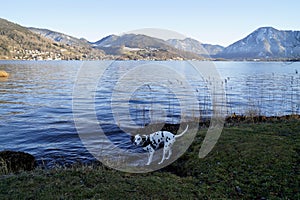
<point>209,21</point>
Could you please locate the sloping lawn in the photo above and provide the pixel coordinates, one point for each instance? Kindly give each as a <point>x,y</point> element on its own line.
<point>250,161</point>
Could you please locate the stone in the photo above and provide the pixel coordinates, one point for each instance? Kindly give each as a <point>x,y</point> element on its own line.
<point>14,161</point>
<point>3,73</point>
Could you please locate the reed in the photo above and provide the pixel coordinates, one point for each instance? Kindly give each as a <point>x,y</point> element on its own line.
<point>3,167</point>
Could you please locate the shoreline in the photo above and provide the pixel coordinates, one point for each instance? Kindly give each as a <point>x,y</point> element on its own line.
<point>154,59</point>
<point>233,121</point>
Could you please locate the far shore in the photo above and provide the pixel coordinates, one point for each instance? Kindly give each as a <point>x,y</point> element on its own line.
<point>154,59</point>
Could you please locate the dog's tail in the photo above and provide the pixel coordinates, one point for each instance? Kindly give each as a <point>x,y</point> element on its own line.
<point>181,134</point>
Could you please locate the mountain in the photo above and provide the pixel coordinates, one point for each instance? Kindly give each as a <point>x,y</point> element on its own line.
<point>18,42</point>
<point>213,49</point>
<point>60,37</point>
<point>82,45</point>
<point>106,41</point>
<point>195,46</point>
<point>133,41</point>
<point>141,46</point>
<point>265,43</point>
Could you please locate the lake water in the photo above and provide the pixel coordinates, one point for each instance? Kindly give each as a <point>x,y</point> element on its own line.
<point>37,113</point>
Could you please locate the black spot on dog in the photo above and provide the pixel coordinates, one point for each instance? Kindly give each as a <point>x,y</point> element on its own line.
<point>154,143</point>
<point>167,139</point>
<point>158,140</point>
<point>162,134</point>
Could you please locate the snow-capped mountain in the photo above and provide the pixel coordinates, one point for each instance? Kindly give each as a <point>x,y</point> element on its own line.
<point>265,43</point>
<point>59,37</point>
<point>19,43</point>
<point>213,49</point>
<point>106,41</point>
<point>195,46</point>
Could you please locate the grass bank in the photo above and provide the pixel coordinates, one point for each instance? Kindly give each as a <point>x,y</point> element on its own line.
<point>250,161</point>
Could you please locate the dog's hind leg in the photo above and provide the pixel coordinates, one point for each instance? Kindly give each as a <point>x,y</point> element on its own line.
<point>164,155</point>
<point>170,152</point>
<point>169,149</point>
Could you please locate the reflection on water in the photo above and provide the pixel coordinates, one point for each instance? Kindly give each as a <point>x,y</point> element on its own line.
<point>261,88</point>
<point>36,102</point>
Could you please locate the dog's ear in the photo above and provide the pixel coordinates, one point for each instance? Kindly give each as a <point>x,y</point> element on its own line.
<point>132,138</point>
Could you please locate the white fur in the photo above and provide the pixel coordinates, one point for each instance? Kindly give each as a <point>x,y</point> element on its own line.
<point>153,141</point>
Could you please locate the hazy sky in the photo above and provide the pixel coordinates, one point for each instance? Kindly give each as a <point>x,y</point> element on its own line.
<point>209,21</point>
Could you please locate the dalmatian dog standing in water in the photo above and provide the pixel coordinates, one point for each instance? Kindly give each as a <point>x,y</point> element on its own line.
<point>153,141</point>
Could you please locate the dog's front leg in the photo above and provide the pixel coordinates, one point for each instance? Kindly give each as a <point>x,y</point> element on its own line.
<point>151,152</point>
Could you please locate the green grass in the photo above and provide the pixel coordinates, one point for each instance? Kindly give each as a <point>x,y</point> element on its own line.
<point>250,161</point>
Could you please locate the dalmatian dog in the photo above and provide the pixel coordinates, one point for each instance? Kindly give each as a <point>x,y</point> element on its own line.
<point>155,140</point>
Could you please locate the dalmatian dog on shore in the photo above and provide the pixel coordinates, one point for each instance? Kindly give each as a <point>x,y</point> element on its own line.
<point>155,140</point>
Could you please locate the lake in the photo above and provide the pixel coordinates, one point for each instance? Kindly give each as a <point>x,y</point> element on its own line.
<point>37,100</point>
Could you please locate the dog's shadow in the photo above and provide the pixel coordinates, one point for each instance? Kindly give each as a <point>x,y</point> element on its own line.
<point>151,128</point>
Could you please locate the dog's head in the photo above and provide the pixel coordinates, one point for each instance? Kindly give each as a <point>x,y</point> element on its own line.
<point>136,140</point>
